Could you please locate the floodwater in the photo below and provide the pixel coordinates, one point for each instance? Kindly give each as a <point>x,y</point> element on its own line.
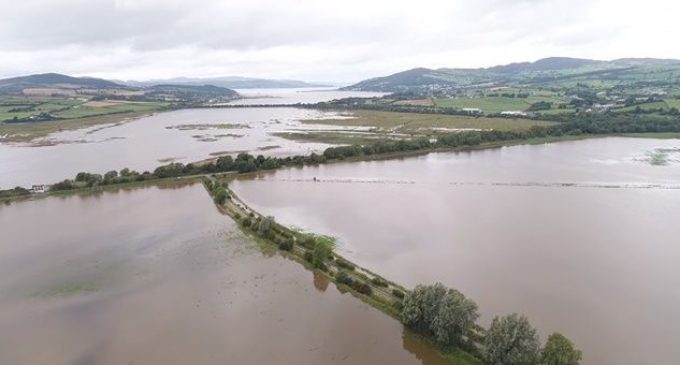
<point>185,136</point>
<point>580,236</point>
<point>297,95</point>
<point>156,275</point>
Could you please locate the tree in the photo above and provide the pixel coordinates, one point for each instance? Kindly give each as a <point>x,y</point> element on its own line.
<point>559,350</point>
<point>439,312</point>
<point>225,163</point>
<point>455,318</point>
<point>111,175</point>
<point>220,196</point>
<point>511,341</point>
<point>265,226</point>
<point>82,176</point>
<point>170,170</point>
<point>320,254</point>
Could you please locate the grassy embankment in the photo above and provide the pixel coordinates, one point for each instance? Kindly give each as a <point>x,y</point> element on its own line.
<point>71,113</point>
<point>384,295</point>
<point>169,182</point>
<point>381,125</point>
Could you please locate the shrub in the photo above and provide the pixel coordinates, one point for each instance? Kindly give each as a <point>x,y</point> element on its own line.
<point>379,282</point>
<point>362,287</point>
<point>345,264</point>
<point>63,185</point>
<point>308,256</point>
<point>320,254</point>
<point>343,278</point>
<point>285,245</point>
<point>398,293</point>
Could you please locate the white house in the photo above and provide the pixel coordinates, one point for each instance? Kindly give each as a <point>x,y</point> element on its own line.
<point>38,188</point>
<point>514,113</point>
<point>472,110</point>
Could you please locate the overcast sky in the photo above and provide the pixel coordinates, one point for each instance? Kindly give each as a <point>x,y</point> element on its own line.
<point>342,40</point>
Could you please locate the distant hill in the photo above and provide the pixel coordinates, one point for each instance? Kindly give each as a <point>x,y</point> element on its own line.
<point>554,71</point>
<point>54,80</point>
<point>231,82</point>
<point>191,92</point>
<point>52,84</point>
<point>545,64</point>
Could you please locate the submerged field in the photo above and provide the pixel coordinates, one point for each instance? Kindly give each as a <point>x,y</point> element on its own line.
<point>170,280</point>
<point>414,123</point>
<point>371,126</point>
<point>498,224</point>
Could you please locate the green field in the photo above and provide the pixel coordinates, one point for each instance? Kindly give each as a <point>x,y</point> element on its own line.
<point>496,104</point>
<point>672,103</point>
<point>645,106</point>
<point>489,105</point>
<point>81,111</point>
<point>23,107</point>
<point>71,113</point>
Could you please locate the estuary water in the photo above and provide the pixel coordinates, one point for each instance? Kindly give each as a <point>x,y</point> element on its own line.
<point>186,135</point>
<point>157,275</point>
<point>580,236</point>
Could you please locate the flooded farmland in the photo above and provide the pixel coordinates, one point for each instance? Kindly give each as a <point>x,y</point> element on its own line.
<point>158,275</point>
<point>580,236</point>
<point>186,135</point>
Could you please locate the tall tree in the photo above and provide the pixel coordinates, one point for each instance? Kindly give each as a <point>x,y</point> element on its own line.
<point>439,312</point>
<point>559,350</point>
<point>511,341</point>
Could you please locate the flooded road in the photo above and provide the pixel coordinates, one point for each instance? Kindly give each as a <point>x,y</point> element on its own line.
<point>156,275</point>
<point>580,236</point>
<point>185,136</point>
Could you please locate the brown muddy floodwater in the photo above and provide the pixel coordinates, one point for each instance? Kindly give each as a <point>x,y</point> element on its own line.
<point>580,236</point>
<point>157,276</point>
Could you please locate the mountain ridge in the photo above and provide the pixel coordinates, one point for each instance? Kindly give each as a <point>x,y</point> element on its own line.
<point>540,71</point>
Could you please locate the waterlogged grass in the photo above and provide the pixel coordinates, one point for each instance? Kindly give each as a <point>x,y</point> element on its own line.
<point>206,126</point>
<point>658,158</point>
<point>414,123</point>
<point>662,156</point>
<point>69,289</point>
<point>332,137</point>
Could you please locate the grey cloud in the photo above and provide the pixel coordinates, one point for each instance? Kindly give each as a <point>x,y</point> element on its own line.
<point>318,40</point>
